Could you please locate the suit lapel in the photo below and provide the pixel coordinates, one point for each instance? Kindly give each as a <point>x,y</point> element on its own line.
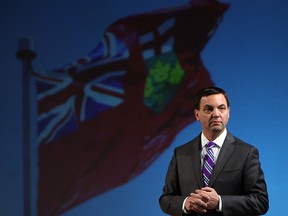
<point>196,160</point>
<point>223,157</point>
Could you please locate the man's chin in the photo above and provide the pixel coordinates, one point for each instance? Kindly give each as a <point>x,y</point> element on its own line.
<point>217,128</point>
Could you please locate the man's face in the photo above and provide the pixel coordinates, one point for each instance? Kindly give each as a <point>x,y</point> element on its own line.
<point>213,114</point>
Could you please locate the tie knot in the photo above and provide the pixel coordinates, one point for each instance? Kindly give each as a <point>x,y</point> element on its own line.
<point>210,145</point>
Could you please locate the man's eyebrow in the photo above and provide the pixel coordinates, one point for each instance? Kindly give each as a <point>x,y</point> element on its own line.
<point>209,105</point>
<point>222,105</point>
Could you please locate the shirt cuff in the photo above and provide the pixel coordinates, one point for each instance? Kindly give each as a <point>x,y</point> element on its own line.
<point>220,205</point>
<point>183,206</point>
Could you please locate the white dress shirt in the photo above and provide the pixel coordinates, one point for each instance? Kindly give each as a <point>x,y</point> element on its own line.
<point>216,149</point>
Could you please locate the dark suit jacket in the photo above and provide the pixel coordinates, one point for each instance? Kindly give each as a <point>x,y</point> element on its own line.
<point>237,177</point>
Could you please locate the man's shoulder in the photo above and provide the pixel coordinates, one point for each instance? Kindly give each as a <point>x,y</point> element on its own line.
<point>239,142</point>
<point>188,146</point>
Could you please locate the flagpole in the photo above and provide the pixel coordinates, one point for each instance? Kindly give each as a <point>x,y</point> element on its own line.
<point>26,54</point>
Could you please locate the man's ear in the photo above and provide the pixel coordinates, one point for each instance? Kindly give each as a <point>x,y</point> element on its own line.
<point>196,113</point>
<point>229,113</point>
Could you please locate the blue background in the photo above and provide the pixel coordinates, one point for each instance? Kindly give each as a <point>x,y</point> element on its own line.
<point>247,57</point>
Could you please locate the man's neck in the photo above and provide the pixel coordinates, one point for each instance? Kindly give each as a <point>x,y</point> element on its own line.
<point>213,135</point>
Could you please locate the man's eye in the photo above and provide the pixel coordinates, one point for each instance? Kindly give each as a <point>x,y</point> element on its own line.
<point>222,109</point>
<point>208,109</point>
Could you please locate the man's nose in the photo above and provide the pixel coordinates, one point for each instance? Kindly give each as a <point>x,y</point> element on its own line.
<point>215,113</point>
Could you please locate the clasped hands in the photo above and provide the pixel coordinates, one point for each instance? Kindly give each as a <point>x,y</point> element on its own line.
<point>202,200</point>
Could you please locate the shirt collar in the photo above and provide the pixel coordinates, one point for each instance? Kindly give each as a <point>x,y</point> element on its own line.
<point>218,141</point>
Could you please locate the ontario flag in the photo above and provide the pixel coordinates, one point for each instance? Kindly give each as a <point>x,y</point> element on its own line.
<point>103,119</point>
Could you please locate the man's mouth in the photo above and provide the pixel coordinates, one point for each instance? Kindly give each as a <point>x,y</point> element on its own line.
<point>215,123</point>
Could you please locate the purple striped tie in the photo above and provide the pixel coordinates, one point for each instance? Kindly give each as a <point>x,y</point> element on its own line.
<point>208,163</point>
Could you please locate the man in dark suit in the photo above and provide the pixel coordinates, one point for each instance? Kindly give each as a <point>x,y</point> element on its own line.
<point>236,186</point>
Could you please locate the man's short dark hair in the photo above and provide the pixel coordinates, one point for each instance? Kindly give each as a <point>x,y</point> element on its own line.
<point>206,92</point>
